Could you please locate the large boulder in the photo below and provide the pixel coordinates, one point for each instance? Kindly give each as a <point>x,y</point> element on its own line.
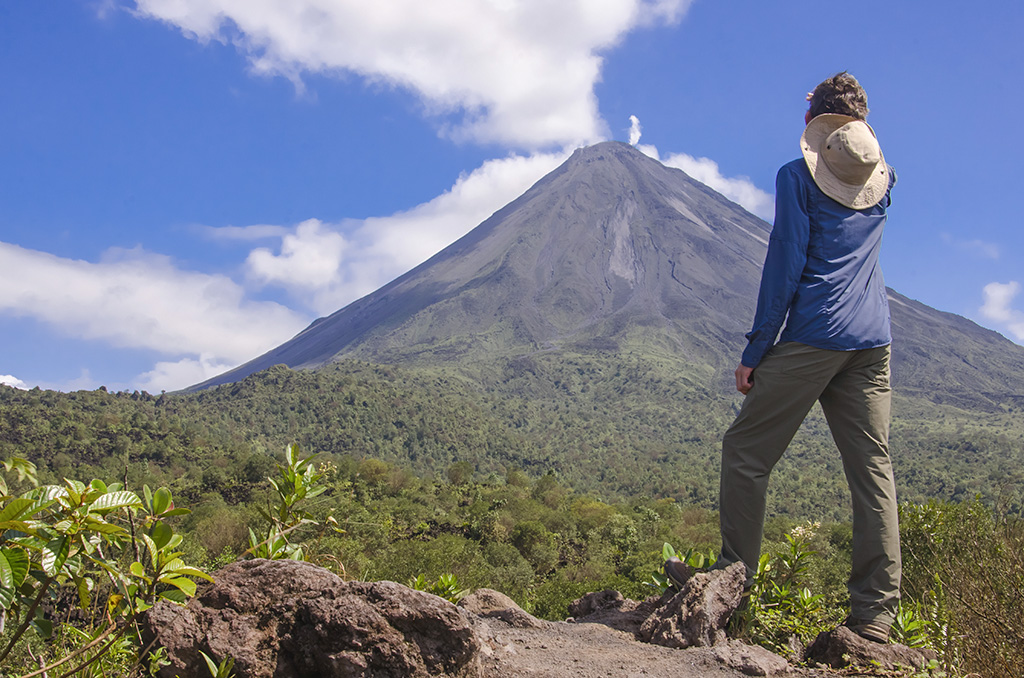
<point>286,619</point>
<point>492,604</point>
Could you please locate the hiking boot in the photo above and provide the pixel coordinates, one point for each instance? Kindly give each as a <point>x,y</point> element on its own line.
<point>677,572</point>
<point>875,631</point>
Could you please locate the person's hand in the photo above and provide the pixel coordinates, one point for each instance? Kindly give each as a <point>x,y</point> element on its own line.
<point>744,379</point>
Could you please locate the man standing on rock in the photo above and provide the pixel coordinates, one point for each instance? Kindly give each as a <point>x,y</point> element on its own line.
<point>822,277</point>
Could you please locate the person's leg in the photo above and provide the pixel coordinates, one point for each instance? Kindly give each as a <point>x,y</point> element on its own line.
<point>856,404</point>
<point>786,385</point>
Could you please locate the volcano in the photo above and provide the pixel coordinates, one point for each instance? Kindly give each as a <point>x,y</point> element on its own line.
<point>613,252</point>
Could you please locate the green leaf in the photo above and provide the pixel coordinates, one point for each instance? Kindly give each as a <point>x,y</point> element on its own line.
<point>148,495</point>
<point>177,512</point>
<point>98,484</point>
<point>96,524</point>
<point>116,500</point>
<point>161,534</point>
<point>161,501</point>
<point>44,627</point>
<point>137,569</point>
<point>7,597</point>
<point>75,490</point>
<point>18,561</point>
<point>6,572</point>
<point>54,555</point>
<point>175,596</point>
<point>184,584</point>
<point>15,509</point>
<point>193,572</point>
<point>85,587</point>
<point>151,548</point>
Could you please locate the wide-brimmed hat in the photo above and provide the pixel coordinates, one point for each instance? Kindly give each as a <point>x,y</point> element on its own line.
<point>845,160</point>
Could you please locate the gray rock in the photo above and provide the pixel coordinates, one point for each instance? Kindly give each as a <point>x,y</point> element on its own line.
<point>286,619</point>
<point>697,615</point>
<point>751,660</point>
<point>842,647</point>
<point>496,605</point>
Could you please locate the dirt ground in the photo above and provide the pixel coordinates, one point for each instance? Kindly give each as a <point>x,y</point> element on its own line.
<point>560,649</point>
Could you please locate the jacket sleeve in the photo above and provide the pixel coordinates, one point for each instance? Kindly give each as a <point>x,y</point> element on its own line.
<point>783,265</point>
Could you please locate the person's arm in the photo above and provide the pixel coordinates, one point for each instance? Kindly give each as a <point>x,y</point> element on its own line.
<point>783,266</point>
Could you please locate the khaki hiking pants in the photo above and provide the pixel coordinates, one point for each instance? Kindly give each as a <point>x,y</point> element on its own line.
<point>854,392</point>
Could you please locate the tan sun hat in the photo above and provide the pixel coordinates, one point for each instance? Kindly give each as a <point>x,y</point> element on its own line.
<point>845,160</point>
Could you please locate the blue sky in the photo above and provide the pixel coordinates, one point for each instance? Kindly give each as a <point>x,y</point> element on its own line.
<point>187,183</point>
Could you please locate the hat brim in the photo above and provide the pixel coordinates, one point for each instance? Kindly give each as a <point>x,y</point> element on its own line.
<point>854,196</point>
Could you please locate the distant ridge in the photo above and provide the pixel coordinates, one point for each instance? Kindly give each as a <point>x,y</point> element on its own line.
<point>614,252</point>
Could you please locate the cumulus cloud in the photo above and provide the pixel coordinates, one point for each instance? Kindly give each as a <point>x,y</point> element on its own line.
<point>634,130</point>
<point>175,375</point>
<point>136,299</point>
<point>998,307</point>
<point>741,190</point>
<point>517,72</point>
<point>327,265</point>
<point>11,380</point>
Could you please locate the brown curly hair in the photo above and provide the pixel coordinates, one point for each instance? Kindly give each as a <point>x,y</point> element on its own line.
<point>839,94</point>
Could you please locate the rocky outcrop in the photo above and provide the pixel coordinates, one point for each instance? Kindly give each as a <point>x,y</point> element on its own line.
<point>492,604</point>
<point>841,647</point>
<point>286,619</point>
<point>697,615</point>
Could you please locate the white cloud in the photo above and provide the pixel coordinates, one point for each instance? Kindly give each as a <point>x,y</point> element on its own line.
<point>998,307</point>
<point>136,299</point>
<point>982,248</point>
<point>634,130</point>
<point>741,190</point>
<point>11,380</point>
<point>325,266</point>
<point>175,375</point>
<point>517,72</point>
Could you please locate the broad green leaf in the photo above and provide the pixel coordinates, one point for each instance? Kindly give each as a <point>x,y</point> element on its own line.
<point>177,512</point>
<point>148,495</point>
<point>98,525</point>
<point>7,597</point>
<point>137,569</point>
<point>193,572</point>
<point>175,596</point>
<point>6,572</point>
<point>98,484</point>
<point>18,561</point>
<point>161,533</point>
<point>186,585</point>
<point>44,627</point>
<point>15,509</point>
<point>116,500</point>
<point>85,587</point>
<point>161,501</point>
<point>54,555</point>
<point>151,548</point>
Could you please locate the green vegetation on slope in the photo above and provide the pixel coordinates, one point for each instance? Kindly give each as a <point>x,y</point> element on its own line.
<point>615,426</point>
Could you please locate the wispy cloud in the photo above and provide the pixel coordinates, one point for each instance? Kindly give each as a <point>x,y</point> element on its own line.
<point>517,73</point>
<point>982,248</point>
<point>137,299</point>
<point>998,307</point>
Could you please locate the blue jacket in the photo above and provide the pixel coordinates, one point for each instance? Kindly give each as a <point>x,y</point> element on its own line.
<point>822,270</point>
